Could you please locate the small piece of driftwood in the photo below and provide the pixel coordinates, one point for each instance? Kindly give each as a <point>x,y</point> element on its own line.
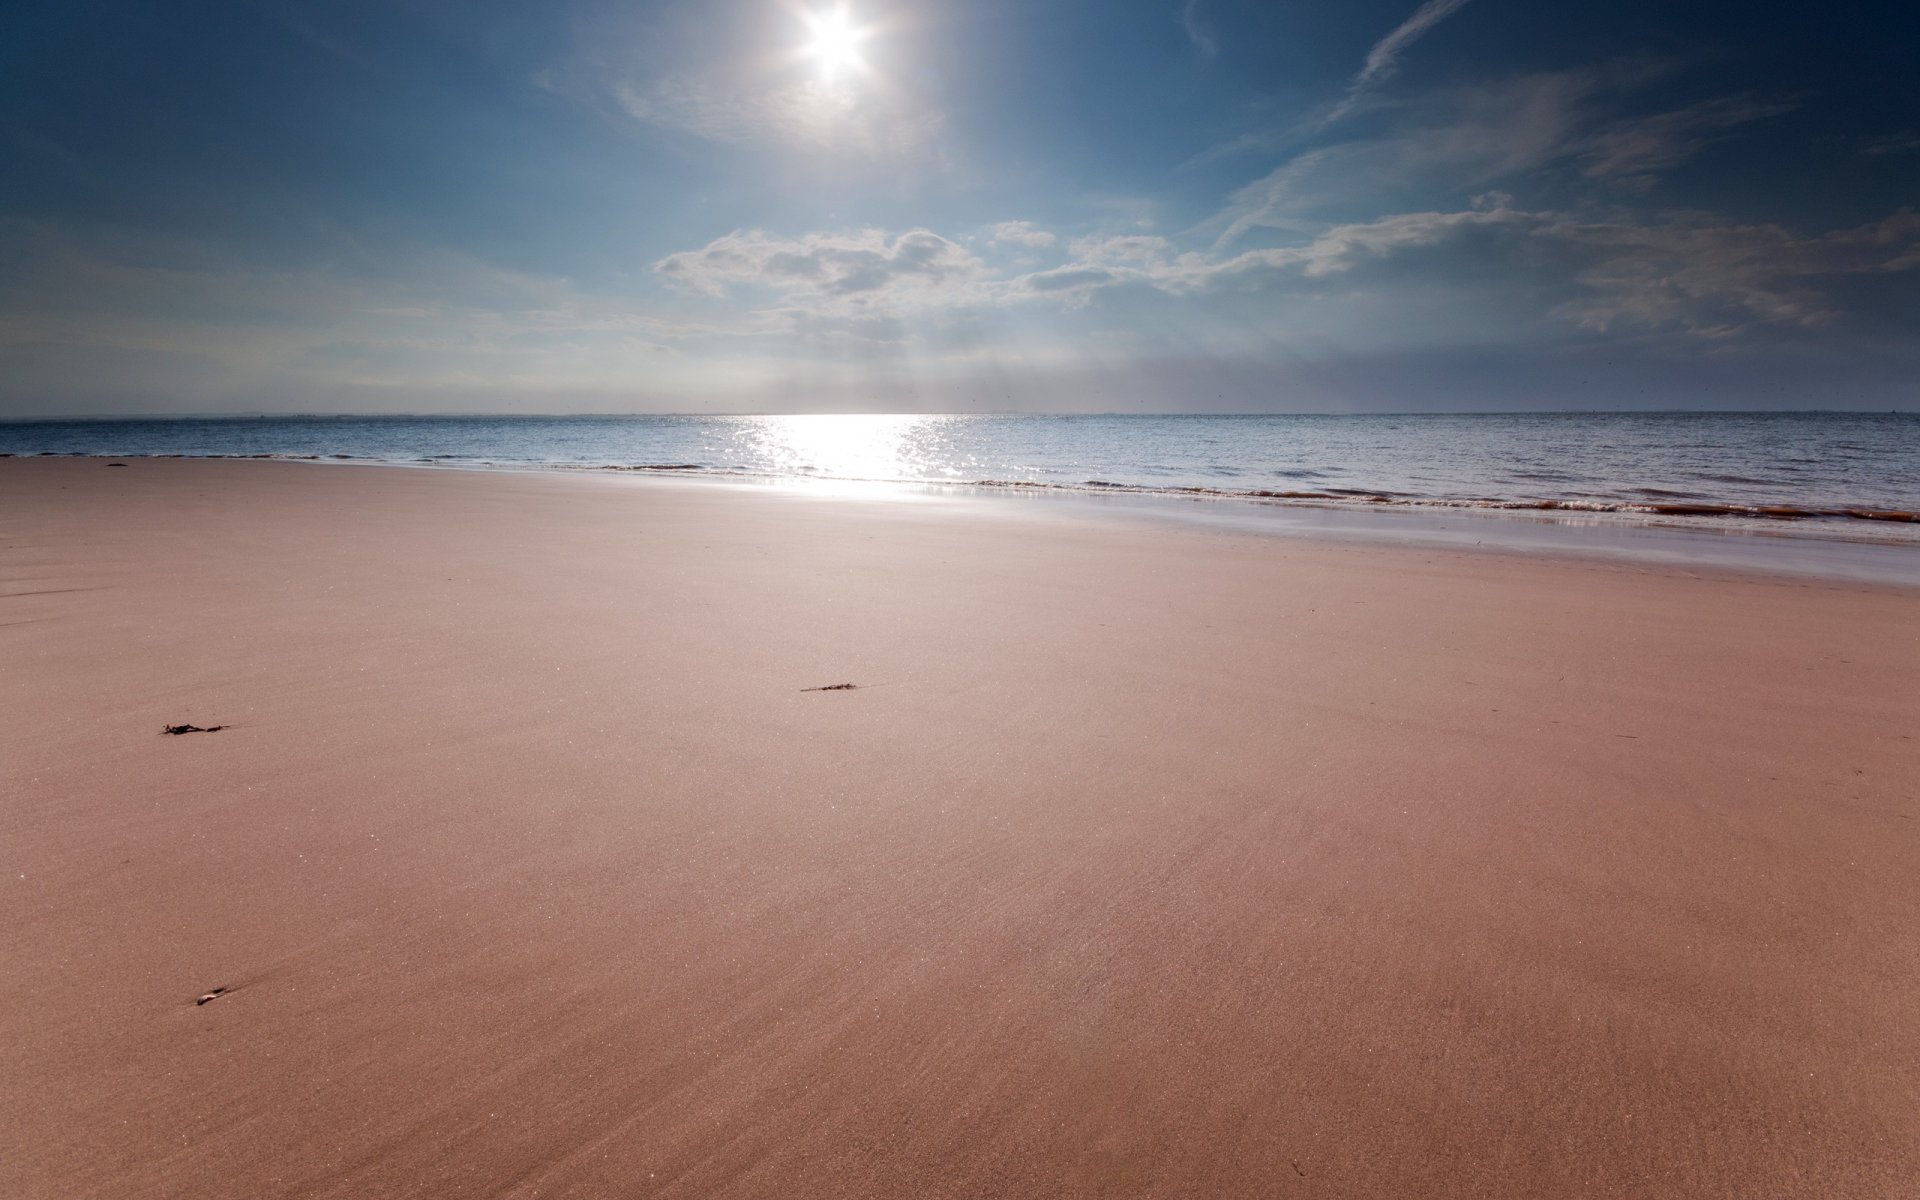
<point>177,730</point>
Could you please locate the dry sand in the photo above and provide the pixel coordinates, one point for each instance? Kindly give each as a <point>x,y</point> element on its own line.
<point>1142,862</point>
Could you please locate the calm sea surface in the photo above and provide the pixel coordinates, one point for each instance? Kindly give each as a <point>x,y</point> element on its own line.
<point>1831,470</point>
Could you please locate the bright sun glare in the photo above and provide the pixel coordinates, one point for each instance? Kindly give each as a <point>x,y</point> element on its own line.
<point>836,41</point>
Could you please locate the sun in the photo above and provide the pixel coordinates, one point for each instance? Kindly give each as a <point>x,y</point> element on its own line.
<point>835,48</point>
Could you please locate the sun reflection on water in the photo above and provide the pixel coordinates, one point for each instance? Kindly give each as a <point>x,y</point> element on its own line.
<point>851,446</point>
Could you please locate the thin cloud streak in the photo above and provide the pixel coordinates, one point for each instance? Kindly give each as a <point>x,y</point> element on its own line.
<point>1514,133</point>
<point>1384,59</point>
<point>1197,33</point>
<point>1635,153</point>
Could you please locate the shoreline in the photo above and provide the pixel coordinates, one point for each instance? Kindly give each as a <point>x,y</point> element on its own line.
<point>1828,475</point>
<point>1143,858</point>
<point>1880,547</point>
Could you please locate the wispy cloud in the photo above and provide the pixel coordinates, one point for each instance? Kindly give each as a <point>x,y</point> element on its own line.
<point>1458,139</point>
<point>1905,142</point>
<point>812,113</point>
<point>1688,274</point>
<point>1022,233</point>
<point>1633,152</point>
<point>1384,59</point>
<point>722,73</point>
<point>1125,248</point>
<point>1197,31</point>
<point>1574,129</point>
<point>868,270</point>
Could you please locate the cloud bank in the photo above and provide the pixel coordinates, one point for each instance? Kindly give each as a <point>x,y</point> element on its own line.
<point>1683,274</point>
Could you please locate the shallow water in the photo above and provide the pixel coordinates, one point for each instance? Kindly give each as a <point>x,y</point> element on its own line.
<point>1833,471</point>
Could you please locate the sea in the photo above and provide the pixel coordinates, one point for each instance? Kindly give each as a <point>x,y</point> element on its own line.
<point>1826,476</point>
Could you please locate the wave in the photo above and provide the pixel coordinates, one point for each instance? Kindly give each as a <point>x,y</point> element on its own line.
<point>1658,502</point>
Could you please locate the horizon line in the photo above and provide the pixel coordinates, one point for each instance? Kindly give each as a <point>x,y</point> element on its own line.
<point>252,415</point>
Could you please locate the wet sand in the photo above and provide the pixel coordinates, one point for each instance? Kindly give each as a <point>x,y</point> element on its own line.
<point>1141,861</point>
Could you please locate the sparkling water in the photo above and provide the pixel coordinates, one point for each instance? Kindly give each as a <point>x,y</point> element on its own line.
<point>1832,468</point>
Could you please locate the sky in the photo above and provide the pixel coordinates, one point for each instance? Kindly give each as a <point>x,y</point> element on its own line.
<point>579,206</point>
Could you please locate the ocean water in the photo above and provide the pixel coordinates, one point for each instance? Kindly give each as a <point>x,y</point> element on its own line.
<point>1831,471</point>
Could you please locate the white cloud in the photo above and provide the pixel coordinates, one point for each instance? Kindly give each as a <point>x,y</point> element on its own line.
<point>1343,247</point>
<point>1022,233</point>
<point>1687,274</point>
<point>869,270</point>
<point>1126,248</point>
<point>1151,262</point>
<point>1072,282</point>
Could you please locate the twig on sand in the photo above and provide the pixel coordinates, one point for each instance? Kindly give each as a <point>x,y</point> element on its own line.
<point>177,730</point>
<point>215,994</point>
<point>833,687</point>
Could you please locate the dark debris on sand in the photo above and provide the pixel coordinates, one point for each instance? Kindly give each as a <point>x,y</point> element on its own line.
<point>833,687</point>
<point>177,730</point>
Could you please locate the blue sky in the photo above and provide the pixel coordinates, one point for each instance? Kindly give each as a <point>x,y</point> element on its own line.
<point>766,205</point>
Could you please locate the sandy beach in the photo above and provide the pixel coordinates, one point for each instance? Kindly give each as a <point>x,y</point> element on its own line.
<point>1140,861</point>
